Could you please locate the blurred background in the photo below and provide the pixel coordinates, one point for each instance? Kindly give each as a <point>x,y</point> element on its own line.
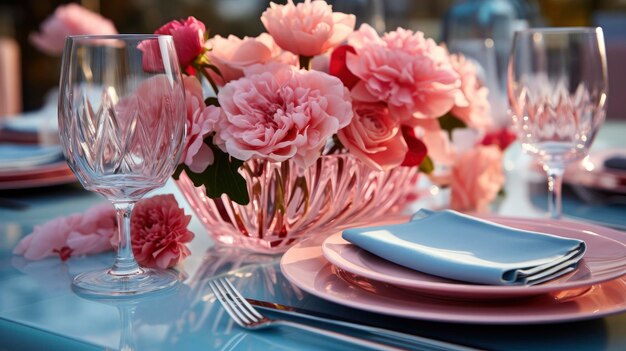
<point>480,28</point>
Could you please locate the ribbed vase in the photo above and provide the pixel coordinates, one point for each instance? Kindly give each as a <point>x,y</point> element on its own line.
<point>288,202</point>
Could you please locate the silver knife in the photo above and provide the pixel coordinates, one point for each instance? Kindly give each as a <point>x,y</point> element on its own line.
<point>388,336</point>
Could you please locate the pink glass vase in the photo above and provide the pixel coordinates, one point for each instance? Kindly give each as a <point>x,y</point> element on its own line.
<point>288,203</point>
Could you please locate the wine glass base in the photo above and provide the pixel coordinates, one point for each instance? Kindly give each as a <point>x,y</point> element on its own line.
<point>106,285</point>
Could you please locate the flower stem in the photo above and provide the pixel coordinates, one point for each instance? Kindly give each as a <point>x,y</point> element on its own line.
<point>305,62</point>
<point>125,263</point>
<point>555,184</point>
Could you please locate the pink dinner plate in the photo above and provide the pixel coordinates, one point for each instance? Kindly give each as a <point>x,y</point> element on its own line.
<point>591,173</point>
<point>604,260</point>
<point>306,267</point>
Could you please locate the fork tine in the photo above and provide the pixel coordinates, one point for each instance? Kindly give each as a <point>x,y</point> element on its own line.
<point>237,300</point>
<point>228,306</point>
<point>242,300</point>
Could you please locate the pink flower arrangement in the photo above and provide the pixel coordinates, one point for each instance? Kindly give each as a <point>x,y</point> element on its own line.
<point>158,234</point>
<point>391,100</point>
<point>70,19</point>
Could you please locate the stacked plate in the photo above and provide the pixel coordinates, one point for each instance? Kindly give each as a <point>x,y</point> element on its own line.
<point>26,166</point>
<point>333,269</point>
<point>603,170</point>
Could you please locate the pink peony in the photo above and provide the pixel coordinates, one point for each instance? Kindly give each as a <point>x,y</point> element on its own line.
<point>475,111</point>
<point>188,38</point>
<point>159,232</point>
<point>477,177</point>
<point>70,19</point>
<point>309,28</point>
<point>201,121</point>
<point>409,72</point>
<point>232,55</point>
<point>374,136</point>
<point>77,234</point>
<point>281,113</point>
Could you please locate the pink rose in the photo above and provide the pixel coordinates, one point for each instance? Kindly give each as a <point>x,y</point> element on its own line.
<point>281,113</point>
<point>232,55</point>
<point>475,111</point>
<point>477,178</point>
<point>201,122</point>
<point>70,19</point>
<point>409,72</point>
<point>188,38</point>
<point>77,234</point>
<point>159,232</point>
<point>309,28</point>
<point>374,136</point>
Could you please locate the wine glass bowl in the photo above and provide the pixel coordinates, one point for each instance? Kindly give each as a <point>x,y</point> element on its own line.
<point>557,91</point>
<point>122,126</point>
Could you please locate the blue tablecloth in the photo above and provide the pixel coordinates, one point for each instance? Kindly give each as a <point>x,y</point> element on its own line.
<point>38,310</point>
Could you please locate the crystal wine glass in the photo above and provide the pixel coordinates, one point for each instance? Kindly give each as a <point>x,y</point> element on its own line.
<point>557,89</point>
<point>122,126</point>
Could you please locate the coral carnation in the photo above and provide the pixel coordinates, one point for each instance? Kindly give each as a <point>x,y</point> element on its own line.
<point>477,177</point>
<point>309,28</point>
<point>159,232</point>
<point>232,55</point>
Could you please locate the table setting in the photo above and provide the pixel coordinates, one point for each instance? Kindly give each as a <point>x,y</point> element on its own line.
<point>321,186</point>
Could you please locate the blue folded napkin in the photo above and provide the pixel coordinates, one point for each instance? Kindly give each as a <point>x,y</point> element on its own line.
<point>456,246</point>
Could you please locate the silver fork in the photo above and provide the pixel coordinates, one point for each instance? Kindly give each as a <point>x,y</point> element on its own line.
<point>248,317</point>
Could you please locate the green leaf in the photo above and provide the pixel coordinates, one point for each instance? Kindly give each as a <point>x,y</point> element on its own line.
<point>427,166</point>
<point>222,177</point>
<point>449,122</point>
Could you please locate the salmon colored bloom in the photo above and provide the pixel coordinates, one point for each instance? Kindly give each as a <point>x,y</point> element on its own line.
<point>70,19</point>
<point>231,55</point>
<point>309,28</point>
<point>477,177</point>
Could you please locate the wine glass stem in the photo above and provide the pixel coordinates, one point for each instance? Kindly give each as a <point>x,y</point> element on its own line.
<point>555,184</point>
<point>125,263</point>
